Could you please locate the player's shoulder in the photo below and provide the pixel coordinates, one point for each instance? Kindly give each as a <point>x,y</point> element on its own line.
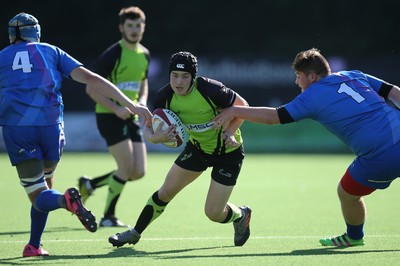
<point>165,90</point>
<point>49,48</point>
<point>6,49</point>
<point>349,74</point>
<point>112,50</point>
<point>204,81</point>
<point>44,45</point>
<point>110,54</point>
<point>163,96</point>
<point>211,86</point>
<point>144,49</point>
<point>216,91</point>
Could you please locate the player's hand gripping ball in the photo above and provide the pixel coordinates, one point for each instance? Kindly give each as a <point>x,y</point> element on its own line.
<point>170,118</point>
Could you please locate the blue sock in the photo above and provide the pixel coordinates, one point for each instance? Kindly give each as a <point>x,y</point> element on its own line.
<point>355,231</point>
<point>49,200</point>
<point>38,222</point>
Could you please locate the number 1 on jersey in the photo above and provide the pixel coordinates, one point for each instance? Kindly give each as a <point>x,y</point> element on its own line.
<point>352,93</point>
<point>21,61</point>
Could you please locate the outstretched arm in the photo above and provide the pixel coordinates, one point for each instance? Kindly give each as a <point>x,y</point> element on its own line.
<point>143,92</point>
<point>234,124</point>
<point>394,96</point>
<point>262,115</point>
<point>100,88</point>
<point>120,111</point>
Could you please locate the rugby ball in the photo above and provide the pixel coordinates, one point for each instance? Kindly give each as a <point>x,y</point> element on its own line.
<point>170,118</point>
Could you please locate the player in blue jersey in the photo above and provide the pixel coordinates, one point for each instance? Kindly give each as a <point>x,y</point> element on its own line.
<point>31,116</point>
<point>352,106</point>
<point>125,64</point>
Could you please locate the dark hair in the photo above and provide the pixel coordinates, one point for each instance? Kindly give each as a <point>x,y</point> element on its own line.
<point>132,12</point>
<point>311,61</point>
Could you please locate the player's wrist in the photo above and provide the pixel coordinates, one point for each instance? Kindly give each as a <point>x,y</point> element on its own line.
<point>142,102</point>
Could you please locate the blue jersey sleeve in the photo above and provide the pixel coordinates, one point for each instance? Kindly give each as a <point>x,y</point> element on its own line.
<point>66,63</point>
<point>375,82</point>
<point>301,107</point>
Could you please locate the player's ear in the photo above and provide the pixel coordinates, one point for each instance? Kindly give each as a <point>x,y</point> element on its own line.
<point>313,76</point>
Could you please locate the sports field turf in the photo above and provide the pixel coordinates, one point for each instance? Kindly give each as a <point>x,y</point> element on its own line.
<point>293,198</point>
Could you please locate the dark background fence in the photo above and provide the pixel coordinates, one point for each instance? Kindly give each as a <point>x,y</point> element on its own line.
<point>247,45</point>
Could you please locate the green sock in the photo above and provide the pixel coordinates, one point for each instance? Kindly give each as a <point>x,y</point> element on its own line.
<point>102,180</point>
<point>153,209</point>
<point>115,187</point>
<point>234,213</point>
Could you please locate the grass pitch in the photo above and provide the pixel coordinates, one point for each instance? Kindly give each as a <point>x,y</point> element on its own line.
<point>293,198</point>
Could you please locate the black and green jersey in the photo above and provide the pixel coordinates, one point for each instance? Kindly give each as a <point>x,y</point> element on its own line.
<point>125,68</point>
<point>197,109</point>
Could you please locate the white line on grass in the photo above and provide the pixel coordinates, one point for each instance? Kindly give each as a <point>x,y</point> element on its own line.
<point>190,238</point>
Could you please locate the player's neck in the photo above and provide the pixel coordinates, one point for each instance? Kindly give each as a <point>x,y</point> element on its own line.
<point>130,45</point>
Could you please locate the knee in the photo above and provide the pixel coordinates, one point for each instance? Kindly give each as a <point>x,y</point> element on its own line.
<point>131,172</point>
<point>345,196</point>
<point>135,175</point>
<point>34,186</point>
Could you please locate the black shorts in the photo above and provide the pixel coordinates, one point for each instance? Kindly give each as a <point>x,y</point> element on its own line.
<point>226,167</point>
<point>113,129</point>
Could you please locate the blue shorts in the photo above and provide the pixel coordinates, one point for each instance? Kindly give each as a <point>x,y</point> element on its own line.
<point>377,172</point>
<point>34,142</point>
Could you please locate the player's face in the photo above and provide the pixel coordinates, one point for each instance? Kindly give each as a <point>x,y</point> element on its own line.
<point>303,80</point>
<point>180,82</point>
<point>132,30</point>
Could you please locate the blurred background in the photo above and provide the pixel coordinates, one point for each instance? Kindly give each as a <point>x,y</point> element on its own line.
<point>249,46</point>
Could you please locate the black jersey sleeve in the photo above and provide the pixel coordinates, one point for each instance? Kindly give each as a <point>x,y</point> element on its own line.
<point>385,89</point>
<point>284,116</point>
<point>163,97</point>
<point>107,60</point>
<point>217,92</point>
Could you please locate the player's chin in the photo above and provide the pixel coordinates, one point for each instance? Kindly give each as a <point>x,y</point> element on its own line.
<point>132,40</point>
<point>180,90</point>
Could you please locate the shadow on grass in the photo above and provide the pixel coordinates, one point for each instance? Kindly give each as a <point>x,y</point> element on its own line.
<point>300,252</point>
<point>126,252</point>
<point>50,230</point>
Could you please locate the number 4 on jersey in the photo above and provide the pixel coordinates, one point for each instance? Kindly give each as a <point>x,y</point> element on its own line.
<point>21,61</point>
<point>352,93</point>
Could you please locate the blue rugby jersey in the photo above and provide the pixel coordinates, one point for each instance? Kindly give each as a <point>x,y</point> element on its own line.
<point>347,104</point>
<point>30,82</point>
